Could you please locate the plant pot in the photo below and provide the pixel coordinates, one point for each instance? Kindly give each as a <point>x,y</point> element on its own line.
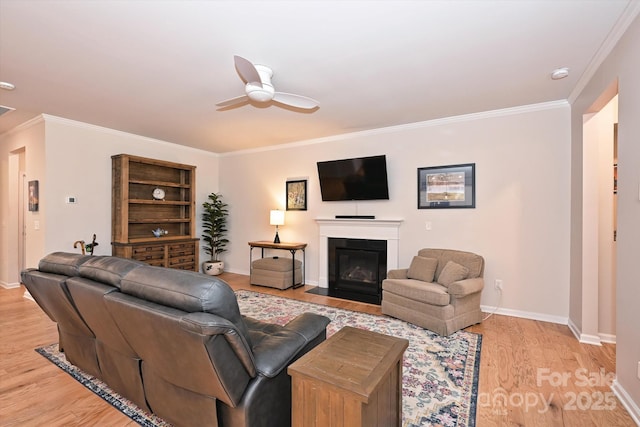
<point>212,268</point>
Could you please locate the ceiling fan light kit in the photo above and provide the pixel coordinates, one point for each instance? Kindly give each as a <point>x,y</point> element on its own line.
<point>259,89</point>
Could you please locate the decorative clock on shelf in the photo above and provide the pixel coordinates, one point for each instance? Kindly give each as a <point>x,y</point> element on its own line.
<point>158,194</point>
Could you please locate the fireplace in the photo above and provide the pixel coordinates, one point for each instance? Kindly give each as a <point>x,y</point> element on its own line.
<point>385,230</point>
<point>357,268</point>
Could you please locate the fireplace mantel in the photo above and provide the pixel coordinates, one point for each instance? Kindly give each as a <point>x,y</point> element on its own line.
<point>377,229</point>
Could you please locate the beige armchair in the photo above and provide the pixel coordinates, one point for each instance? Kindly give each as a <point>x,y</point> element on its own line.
<point>440,290</point>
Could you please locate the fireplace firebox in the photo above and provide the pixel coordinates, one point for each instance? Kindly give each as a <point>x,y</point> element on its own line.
<point>357,268</point>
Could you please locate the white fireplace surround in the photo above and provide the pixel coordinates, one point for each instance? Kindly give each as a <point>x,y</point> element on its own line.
<point>374,229</point>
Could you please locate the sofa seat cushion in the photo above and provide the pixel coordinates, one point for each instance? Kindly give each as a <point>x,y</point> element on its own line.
<point>426,292</point>
<point>422,268</point>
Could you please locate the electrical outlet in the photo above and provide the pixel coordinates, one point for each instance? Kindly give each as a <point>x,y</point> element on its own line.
<point>639,370</point>
<point>498,284</point>
<point>428,225</point>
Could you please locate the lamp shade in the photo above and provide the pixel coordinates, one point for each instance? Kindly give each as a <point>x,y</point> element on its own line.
<point>276,217</point>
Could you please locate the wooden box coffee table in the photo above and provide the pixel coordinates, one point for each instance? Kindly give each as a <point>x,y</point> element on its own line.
<point>354,378</point>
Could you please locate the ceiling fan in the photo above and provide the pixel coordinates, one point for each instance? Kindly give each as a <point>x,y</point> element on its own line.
<point>258,88</point>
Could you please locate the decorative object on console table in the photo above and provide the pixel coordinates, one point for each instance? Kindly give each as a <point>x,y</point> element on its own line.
<point>297,195</point>
<point>214,221</point>
<point>156,227</point>
<point>276,217</point>
<point>443,187</point>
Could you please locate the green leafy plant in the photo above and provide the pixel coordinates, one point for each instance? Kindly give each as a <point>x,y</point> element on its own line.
<point>214,220</point>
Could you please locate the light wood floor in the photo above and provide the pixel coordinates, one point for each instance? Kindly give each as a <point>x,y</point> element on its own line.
<point>523,362</point>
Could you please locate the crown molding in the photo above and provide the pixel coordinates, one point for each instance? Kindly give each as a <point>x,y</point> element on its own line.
<point>622,24</point>
<point>410,126</point>
<point>87,126</point>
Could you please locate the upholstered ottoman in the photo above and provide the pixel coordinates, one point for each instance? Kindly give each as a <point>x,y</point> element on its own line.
<point>275,272</point>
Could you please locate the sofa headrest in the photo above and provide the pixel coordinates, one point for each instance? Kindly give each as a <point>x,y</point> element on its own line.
<point>108,269</point>
<point>63,263</point>
<point>185,290</point>
<point>474,262</point>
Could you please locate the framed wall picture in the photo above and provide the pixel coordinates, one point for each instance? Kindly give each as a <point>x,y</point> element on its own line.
<point>444,187</point>
<point>33,196</point>
<point>297,195</point>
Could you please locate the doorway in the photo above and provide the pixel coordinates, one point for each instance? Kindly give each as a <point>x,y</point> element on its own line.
<point>599,221</point>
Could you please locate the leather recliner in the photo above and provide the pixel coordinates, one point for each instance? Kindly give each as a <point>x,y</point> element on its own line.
<point>174,340</point>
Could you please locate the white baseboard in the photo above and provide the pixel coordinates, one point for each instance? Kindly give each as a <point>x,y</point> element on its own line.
<point>584,338</point>
<point>608,338</point>
<point>627,402</point>
<point>525,314</point>
<point>6,285</point>
<point>28,296</point>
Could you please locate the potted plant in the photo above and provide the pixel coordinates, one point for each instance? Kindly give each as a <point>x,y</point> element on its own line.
<point>214,220</point>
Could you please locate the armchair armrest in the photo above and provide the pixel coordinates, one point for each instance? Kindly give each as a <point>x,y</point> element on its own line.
<point>465,287</point>
<point>400,273</point>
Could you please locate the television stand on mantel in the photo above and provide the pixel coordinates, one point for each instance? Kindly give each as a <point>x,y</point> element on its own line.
<point>355,217</point>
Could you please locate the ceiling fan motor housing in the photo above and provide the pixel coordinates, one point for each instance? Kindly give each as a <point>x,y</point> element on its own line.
<point>261,91</point>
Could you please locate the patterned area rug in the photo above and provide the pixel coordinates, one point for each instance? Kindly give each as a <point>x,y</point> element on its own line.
<point>440,374</point>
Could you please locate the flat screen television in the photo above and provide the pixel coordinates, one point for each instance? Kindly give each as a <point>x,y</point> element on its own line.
<point>362,178</point>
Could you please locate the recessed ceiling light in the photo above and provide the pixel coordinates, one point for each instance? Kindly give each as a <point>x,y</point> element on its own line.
<point>560,73</point>
<point>7,86</point>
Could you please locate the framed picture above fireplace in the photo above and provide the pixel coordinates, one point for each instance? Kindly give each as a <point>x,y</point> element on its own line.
<point>443,187</point>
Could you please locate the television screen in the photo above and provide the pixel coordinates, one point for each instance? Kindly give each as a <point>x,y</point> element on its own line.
<point>363,178</point>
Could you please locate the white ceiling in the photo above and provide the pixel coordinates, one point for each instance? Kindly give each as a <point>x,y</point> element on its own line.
<point>157,68</point>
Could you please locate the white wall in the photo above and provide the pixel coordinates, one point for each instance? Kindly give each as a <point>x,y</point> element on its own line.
<point>622,65</point>
<point>78,163</point>
<point>28,139</point>
<point>520,223</point>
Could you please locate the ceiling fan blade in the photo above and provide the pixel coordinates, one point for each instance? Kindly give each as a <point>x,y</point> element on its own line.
<point>246,70</point>
<point>233,101</point>
<point>297,101</point>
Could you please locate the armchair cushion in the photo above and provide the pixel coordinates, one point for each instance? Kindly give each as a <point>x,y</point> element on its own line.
<point>422,268</point>
<point>452,272</point>
<point>416,290</point>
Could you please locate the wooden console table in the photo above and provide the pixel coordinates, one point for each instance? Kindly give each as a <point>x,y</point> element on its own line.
<point>291,247</point>
<point>352,379</point>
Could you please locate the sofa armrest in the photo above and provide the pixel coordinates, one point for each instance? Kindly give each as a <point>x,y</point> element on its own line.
<point>309,325</point>
<point>400,273</point>
<point>465,287</point>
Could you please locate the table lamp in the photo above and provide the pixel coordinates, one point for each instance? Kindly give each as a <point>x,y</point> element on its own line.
<point>276,218</point>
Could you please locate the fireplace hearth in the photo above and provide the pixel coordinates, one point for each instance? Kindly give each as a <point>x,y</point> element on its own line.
<point>357,268</point>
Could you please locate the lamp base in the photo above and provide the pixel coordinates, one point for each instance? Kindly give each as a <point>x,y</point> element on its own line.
<point>277,238</point>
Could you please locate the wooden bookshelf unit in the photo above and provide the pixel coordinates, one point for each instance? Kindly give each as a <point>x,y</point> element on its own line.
<point>136,212</point>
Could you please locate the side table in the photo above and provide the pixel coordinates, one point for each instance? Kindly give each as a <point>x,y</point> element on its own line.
<point>291,247</point>
<point>354,378</point>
